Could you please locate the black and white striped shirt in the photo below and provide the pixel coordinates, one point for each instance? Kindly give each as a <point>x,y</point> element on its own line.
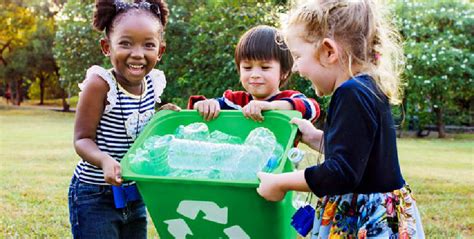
<point>123,118</point>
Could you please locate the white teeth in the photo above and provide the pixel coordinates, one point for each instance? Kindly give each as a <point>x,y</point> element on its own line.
<point>135,66</point>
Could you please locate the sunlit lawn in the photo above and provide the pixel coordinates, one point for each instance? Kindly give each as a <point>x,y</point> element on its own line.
<point>37,161</point>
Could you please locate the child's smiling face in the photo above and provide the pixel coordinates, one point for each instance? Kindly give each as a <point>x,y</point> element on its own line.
<point>307,63</point>
<point>134,46</point>
<point>260,78</point>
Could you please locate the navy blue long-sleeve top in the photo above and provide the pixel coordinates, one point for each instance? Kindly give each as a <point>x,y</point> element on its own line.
<point>359,143</point>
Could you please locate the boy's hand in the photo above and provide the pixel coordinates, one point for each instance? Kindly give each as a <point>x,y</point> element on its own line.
<point>170,106</point>
<point>254,109</point>
<point>208,109</point>
<point>112,171</point>
<point>269,187</point>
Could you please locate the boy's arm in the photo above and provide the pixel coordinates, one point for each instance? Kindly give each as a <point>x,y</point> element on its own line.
<point>230,100</point>
<point>193,99</point>
<point>308,107</point>
<point>280,105</point>
<point>233,100</point>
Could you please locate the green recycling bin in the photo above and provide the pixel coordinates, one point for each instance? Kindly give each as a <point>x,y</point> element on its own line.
<point>211,208</point>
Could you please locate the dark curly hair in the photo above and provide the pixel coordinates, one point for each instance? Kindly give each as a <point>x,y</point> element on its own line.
<point>106,13</point>
<point>264,43</point>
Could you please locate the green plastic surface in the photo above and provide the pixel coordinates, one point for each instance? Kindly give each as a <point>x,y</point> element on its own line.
<point>205,208</point>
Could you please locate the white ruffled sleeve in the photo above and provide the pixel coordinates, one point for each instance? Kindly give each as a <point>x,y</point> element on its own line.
<point>159,83</point>
<point>109,78</point>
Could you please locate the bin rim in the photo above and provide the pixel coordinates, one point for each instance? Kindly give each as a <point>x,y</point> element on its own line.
<point>128,174</point>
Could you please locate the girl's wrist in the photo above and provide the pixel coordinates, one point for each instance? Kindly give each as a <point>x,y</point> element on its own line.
<point>315,140</point>
<point>317,135</point>
<point>280,182</point>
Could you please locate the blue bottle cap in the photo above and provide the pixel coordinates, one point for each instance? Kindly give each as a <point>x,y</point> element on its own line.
<point>272,163</point>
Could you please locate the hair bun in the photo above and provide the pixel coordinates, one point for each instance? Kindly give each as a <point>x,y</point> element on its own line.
<point>104,13</point>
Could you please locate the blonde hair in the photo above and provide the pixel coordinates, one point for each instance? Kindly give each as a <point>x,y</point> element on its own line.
<point>362,31</point>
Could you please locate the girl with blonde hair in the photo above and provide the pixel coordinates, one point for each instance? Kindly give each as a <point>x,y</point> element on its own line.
<point>348,49</point>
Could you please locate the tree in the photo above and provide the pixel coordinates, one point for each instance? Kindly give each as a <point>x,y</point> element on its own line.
<point>40,61</point>
<point>18,23</point>
<point>76,45</point>
<point>439,50</point>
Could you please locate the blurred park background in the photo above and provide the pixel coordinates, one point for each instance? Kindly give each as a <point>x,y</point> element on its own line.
<point>47,45</point>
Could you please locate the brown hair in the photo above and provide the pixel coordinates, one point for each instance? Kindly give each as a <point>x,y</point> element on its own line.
<point>365,34</point>
<point>107,12</point>
<point>264,43</point>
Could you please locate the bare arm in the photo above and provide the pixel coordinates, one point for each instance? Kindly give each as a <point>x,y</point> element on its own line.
<point>309,134</point>
<point>254,108</point>
<point>273,187</point>
<point>280,105</point>
<point>89,110</point>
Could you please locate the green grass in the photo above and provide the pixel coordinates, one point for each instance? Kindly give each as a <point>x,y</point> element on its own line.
<point>53,102</point>
<point>37,161</point>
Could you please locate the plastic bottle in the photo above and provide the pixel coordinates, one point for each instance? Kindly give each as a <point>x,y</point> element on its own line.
<point>152,158</point>
<point>200,155</point>
<point>295,155</point>
<point>220,137</point>
<point>194,131</point>
<point>264,139</point>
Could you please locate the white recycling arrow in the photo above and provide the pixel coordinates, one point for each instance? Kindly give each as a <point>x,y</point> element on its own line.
<point>236,232</point>
<point>178,228</point>
<point>190,209</point>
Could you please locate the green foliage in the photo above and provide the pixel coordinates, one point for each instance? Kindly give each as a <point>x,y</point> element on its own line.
<point>18,23</point>
<point>201,37</point>
<point>200,46</point>
<point>41,63</point>
<point>27,47</point>
<point>439,48</point>
<point>52,89</point>
<point>76,44</point>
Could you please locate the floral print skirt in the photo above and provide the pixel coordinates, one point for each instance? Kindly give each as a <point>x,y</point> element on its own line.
<point>375,215</point>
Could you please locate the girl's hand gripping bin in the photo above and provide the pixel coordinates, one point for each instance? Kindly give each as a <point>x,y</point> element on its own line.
<point>209,208</point>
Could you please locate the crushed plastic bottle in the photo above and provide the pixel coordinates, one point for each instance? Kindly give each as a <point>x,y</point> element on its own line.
<point>194,153</point>
<point>200,155</point>
<point>194,131</point>
<point>220,137</point>
<point>139,161</point>
<point>264,139</point>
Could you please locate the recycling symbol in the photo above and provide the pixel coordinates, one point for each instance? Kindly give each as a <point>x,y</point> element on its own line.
<point>190,209</point>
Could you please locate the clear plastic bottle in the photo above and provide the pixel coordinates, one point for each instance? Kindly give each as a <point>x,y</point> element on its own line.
<point>195,153</point>
<point>199,155</point>
<point>300,199</point>
<point>296,155</point>
<point>264,139</point>
<point>152,158</point>
<point>194,131</point>
<point>220,137</point>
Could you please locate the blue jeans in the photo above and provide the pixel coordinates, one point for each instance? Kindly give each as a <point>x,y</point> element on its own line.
<point>92,213</point>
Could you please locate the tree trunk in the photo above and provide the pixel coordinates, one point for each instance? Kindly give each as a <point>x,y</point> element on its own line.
<point>440,122</point>
<point>18,92</point>
<point>41,85</point>
<point>66,106</point>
